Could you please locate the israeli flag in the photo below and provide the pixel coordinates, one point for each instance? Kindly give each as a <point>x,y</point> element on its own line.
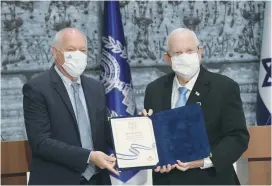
<point>116,77</point>
<point>264,104</point>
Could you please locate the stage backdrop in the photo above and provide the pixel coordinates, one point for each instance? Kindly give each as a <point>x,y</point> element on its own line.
<point>230,33</point>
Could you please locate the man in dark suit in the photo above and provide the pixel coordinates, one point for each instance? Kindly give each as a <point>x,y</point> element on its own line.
<point>221,103</point>
<point>65,119</point>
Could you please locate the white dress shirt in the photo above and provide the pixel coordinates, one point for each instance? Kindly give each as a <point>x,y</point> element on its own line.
<point>175,96</point>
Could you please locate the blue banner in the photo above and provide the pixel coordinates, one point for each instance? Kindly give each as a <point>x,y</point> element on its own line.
<point>115,71</point>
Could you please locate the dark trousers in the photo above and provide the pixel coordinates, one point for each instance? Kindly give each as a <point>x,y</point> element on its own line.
<point>95,180</point>
<point>101,178</point>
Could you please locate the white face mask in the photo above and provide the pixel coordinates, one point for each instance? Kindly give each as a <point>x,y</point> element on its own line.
<point>186,65</point>
<point>75,63</point>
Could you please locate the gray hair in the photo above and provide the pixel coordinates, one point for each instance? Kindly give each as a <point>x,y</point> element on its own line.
<point>59,35</point>
<point>183,30</point>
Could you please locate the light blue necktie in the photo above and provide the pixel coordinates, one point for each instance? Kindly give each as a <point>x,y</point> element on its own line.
<point>84,128</point>
<point>182,97</point>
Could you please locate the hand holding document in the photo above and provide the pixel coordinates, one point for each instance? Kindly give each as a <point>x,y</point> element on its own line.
<point>160,139</point>
<point>103,161</point>
<point>134,142</point>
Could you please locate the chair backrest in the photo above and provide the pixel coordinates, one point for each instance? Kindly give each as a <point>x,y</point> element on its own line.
<point>15,161</point>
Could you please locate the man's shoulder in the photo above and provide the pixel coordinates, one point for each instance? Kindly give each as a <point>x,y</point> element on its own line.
<point>39,83</point>
<point>40,80</point>
<point>214,78</point>
<point>221,80</point>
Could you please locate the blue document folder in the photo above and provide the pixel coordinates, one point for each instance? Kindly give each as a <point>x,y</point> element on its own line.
<point>180,135</point>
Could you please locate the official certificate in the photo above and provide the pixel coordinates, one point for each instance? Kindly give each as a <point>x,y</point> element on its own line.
<point>134,142</point>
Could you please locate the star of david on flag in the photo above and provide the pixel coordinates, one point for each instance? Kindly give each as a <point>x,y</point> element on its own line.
<point>267,66</point>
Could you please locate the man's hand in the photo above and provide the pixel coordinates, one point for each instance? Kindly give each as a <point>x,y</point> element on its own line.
<point>189,165</point>
<point>103,161</point>
<point>164,168</point>
<point>150,112</point>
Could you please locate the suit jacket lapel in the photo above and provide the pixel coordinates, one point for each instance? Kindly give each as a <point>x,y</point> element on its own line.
<point>200,89</point>
<point>90,102</point>
<point>60,88</point>
<point>167,92</point>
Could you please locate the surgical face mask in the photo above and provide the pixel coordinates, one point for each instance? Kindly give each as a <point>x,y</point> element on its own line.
<point>75,63</point>
<point>186,65</point>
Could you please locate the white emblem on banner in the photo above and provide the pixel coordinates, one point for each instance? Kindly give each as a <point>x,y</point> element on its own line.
<point>115,46</point>
<point>111,74</point>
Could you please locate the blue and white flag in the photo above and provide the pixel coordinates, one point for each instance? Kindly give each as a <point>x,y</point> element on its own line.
<point>264,104</point>
<point>116,77</point>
